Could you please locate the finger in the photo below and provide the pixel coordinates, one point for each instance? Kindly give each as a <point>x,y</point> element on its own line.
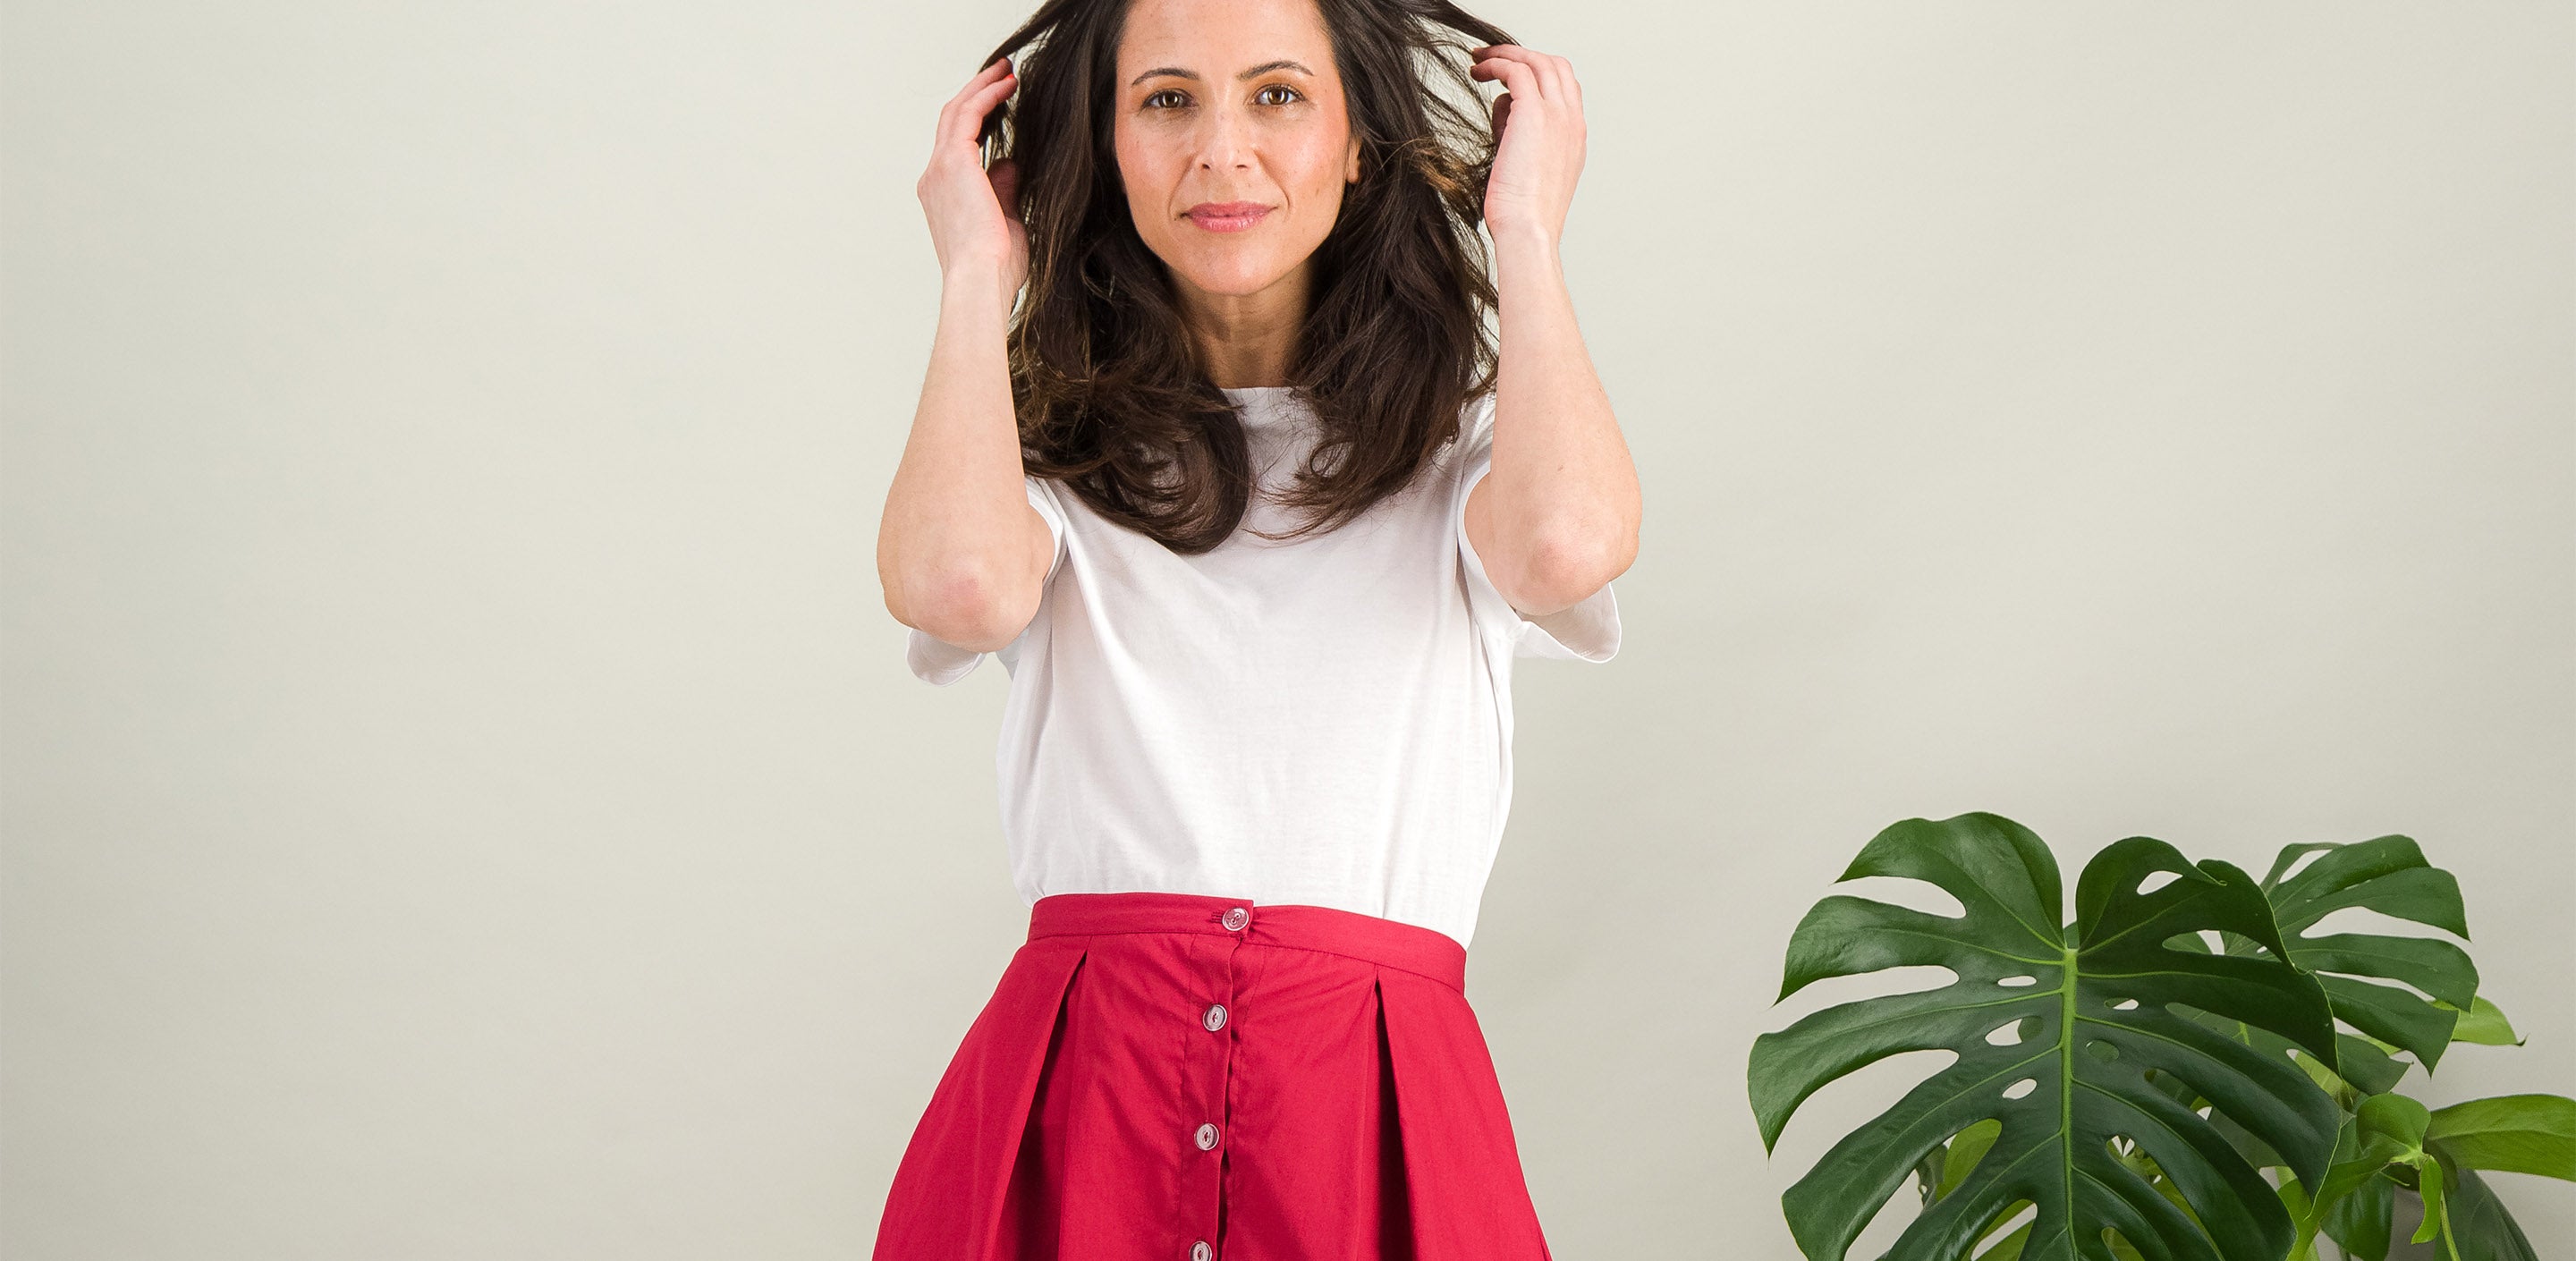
<point>980,120</point>
<point>1540,65</point>
<point>979,98</point>
<point>962,119</point>
<point>1516,75</point>
<point>1493,67</point>
<point>1498,52</point>
<point>1551,76</point>
<point>982,81</point>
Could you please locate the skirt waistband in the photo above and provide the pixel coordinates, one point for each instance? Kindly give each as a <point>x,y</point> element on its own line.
<point>1331,930</point>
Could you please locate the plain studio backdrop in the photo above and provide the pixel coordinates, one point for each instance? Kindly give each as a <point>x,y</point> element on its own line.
<point>464,797</point>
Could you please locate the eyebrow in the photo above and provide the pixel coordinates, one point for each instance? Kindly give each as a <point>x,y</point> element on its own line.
<point>1266,67</point>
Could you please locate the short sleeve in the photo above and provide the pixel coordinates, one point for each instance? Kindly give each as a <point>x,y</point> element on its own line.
<point>1588,631</point>
<point>941,663</point>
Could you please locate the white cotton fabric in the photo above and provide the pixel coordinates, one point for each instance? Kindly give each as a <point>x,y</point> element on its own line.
<point>1324,721</point>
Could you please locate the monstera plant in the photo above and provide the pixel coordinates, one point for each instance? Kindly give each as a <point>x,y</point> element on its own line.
<point>2126,1079</point>
<point>2389,1144</point>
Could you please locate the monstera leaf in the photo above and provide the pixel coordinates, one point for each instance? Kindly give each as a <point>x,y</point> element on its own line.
<point>2483,1229</point>
<point>2387,875</point>
<point>2086,1007</point>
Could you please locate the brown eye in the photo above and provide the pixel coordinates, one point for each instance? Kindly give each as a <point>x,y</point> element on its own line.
<point>1149,101</point>
<point>1278,87</point>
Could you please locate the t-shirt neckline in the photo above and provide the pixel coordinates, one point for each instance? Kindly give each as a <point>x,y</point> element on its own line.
<point>1262,407</point>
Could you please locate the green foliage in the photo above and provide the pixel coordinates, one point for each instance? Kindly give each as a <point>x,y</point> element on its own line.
<point>2513,1133</point>
<point>2390,1140</point>
<point>2078,1122</point>
<point>2484,1024</point>
<point>2387,875</point>
<point>2156,1074</point>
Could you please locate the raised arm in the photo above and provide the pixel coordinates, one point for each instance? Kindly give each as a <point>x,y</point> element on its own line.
<point>962,554</point>
<point>1558,515</point>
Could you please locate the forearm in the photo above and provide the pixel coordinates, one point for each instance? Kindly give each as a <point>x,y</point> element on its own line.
<point>954,549</point>
<point>1564,502</point>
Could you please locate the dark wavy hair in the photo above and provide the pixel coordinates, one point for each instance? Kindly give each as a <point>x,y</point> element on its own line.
<point>1112,399</point>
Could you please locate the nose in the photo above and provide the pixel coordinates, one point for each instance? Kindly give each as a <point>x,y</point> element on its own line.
<point>1225,143</point>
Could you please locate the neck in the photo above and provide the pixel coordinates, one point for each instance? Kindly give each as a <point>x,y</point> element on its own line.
<point>1247,339</point>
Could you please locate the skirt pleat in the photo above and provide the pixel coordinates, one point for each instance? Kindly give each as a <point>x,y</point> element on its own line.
<point>1170,1077</point>
<point>960,1164</point>
<point>1457,1133</point>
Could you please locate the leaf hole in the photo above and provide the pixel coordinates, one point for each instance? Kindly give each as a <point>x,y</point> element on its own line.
<point>2102,1050</point>
<point>2370,921</point>
<point>2202,942</point>
<point>2004,1035</point>
<point>1907,892</point>
<point>2381,983</point>
<point>2020,1088</point>
<point>1960,1155</point>
<point>1830,991</point>
<point>2156,880</point>
<point>2017,982</point>
<point>2013,1220</point>
<point>2303,862</point>
<point>2126,1004</point>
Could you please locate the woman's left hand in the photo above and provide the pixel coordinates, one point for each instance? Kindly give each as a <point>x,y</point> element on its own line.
<point>1539,124</point>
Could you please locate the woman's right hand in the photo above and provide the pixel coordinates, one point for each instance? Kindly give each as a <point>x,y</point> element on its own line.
<point>974,223</point>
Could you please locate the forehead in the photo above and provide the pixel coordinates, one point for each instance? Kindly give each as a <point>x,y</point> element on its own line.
<point>1218,38</point>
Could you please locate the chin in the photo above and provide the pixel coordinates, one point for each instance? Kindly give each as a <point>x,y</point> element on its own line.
<point>1234,277</point>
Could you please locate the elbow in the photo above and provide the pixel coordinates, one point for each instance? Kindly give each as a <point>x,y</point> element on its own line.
<point>971,606</point>
<point>1568,566</point>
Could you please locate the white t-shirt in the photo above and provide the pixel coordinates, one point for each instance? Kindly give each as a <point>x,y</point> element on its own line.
<point>1325,721</point>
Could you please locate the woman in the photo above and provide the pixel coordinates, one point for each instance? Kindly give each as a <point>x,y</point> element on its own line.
<point>1253,769</point>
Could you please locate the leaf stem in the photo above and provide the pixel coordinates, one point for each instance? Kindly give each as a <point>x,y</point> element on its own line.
<point>2066,1074</point>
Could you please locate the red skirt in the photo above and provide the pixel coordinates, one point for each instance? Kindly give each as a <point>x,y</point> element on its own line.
<point>1170,1077</point>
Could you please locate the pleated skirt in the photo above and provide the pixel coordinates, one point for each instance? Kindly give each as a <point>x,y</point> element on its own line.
<point>1171,1077</point>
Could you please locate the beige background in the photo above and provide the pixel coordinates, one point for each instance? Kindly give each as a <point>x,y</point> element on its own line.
<point>463,794</point>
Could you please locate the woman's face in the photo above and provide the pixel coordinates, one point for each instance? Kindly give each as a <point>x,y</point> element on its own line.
<point>1232,139</point>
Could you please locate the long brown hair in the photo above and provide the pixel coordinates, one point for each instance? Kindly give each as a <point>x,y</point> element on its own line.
<point>1113,401</point>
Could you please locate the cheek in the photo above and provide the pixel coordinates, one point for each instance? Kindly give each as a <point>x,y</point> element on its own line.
<point>1145,169</point>
<point>1319,161</point>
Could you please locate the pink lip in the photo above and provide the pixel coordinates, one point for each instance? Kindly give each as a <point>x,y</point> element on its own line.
<point>1226,216</point>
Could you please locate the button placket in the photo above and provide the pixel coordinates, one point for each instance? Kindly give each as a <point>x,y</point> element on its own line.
<point>1205,1200</point>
